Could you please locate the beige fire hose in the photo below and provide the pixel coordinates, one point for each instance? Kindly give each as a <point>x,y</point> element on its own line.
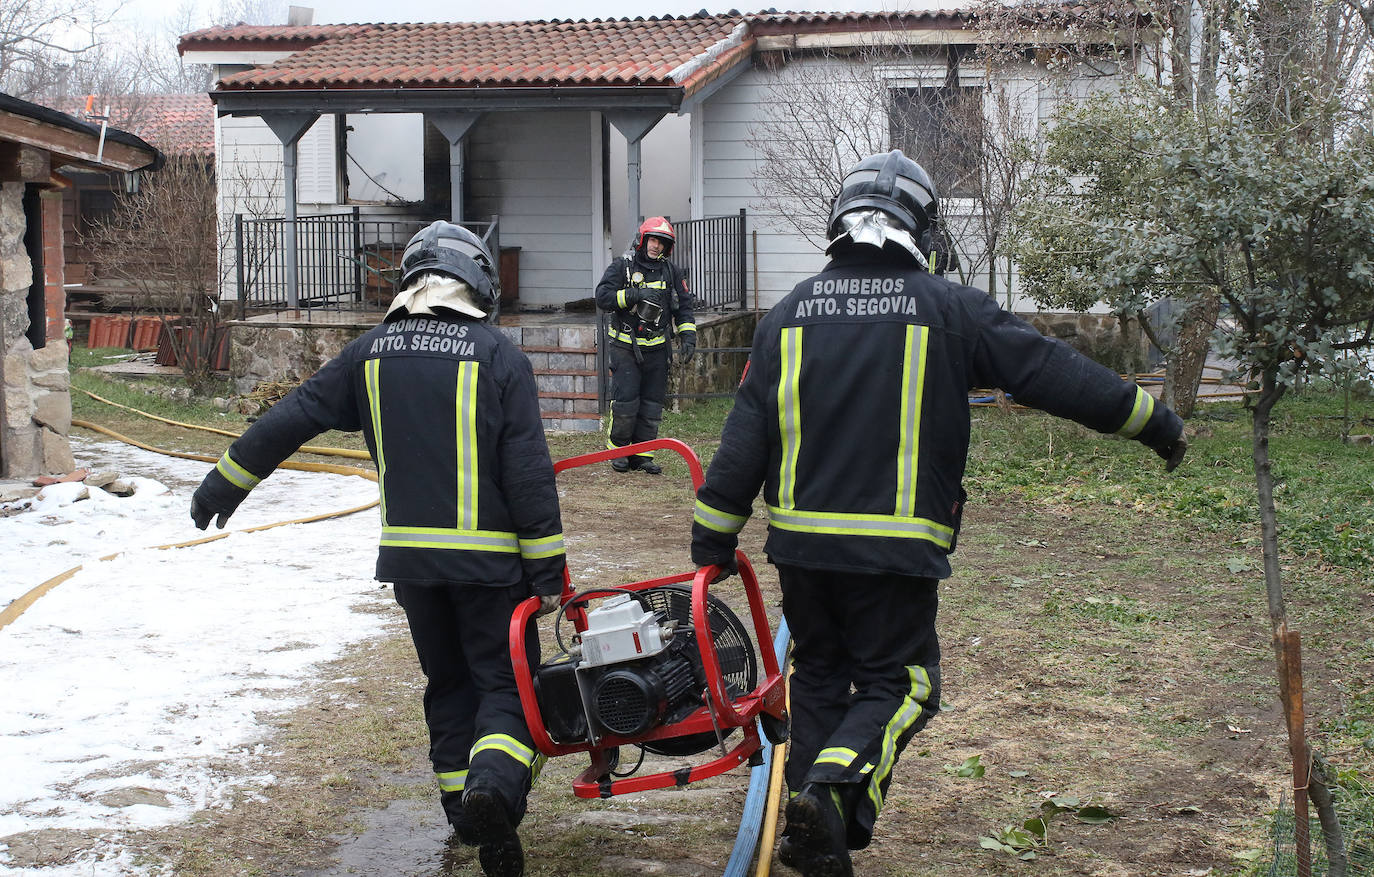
<point>17,608</point>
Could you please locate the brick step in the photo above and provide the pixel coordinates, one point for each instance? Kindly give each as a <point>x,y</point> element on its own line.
<point>554,394</point>
<point>569,415</point>
<point>570,372</point>
<point>585,351</point>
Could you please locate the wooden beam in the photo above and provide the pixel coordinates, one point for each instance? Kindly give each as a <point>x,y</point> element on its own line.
<point>73,146</point>
<point>24,164</point>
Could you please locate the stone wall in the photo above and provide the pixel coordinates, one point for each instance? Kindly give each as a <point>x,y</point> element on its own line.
<point>287,354</point>
<point>37,410</point>
<point>1097,336</point>
<point>715,372</point>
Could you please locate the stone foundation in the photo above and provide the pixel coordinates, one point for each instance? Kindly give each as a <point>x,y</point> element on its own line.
<point>715,372</point>
<point>262,354</point>
<point>1097,336</point>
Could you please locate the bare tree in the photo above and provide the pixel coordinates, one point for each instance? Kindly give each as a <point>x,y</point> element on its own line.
<point>163,240</point>
<point>42,40</point>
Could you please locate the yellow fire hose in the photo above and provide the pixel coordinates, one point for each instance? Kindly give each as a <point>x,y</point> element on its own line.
<point>17,608</point>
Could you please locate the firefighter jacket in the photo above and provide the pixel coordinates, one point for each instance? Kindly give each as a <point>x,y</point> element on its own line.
<point>853,417</point>
<point>628,282</point>
<point>450,413</point>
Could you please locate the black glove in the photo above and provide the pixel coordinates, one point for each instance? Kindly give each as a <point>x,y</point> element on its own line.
<point>1172,451</point>
<point>727,568</point>
<point>215,496</point>
<point>687,346</point>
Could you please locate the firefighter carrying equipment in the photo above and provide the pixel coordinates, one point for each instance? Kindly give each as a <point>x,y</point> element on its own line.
<point>873,359</point>
<point>473,502</point>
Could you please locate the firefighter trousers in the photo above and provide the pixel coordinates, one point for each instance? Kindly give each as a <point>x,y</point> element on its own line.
<point>477,730</point>
<point>638,393</point>
<point>865,678</point>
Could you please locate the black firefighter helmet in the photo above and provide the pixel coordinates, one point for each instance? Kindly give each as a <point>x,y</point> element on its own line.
<point>453,250</point>
<point>897,186</point>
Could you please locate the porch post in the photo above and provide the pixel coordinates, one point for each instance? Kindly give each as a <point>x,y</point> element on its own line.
<point>633,125</point>
<point>289,127</point>
<point>454,126</point>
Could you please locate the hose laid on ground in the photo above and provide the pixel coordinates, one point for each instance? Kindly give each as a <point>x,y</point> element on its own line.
<point>757,816</point>
<point>305,449</point>
<point>28,598</point>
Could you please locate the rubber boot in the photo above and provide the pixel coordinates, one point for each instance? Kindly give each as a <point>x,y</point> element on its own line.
<point>814,839</point>
<point>499,848</point>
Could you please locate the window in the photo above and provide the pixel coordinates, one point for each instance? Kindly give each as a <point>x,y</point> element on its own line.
<point>941,128</point>
<point>383,158</point>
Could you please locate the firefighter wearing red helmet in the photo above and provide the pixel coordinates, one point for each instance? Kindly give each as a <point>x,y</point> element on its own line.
<point>853,420</point>
<point>646,298</point>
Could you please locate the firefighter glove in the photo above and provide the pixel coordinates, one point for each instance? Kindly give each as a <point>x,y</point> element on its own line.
<point>548,603</point>
<point>215,496</point>
<point>727,568</point>
<point>687,346</point>
<point>1172,451</point>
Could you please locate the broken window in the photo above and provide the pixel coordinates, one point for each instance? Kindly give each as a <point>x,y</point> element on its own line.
<point>941,128</point>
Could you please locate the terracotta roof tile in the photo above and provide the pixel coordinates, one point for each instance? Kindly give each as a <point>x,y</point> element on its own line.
<point>490,54</point>
<point>177,124</point>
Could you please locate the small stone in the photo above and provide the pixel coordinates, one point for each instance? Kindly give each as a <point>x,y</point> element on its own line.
<point>119,487</point>
<point>134,796</point>
<point>101,478</point>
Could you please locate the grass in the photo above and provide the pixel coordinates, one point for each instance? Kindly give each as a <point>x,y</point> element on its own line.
<point>1073,583</point>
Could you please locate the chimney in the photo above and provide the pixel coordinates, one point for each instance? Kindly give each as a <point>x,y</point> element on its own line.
<point>298,16</point>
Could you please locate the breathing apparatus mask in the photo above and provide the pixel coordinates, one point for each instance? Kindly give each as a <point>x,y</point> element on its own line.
<point>876,228</point>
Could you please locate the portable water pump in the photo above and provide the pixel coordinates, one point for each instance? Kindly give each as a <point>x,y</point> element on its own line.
<point>637,667</point>
<point>663,665</point>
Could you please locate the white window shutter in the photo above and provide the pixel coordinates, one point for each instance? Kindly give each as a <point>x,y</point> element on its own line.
<point>317,179</point>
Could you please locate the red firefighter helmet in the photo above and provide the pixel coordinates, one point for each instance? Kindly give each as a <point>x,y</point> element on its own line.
<point>656,227</point>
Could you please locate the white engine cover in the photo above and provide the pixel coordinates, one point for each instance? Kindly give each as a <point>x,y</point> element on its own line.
<point>620,630</point>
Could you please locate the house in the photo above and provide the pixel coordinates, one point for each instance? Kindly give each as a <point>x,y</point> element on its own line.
<point>521,127</point>
<point>38,147</point>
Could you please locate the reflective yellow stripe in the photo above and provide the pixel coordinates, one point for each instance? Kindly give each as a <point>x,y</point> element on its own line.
<point>372,373</point>
<point>715,519</point>
<point>909,444</point>
<point>906,714</point>
<point>845,524</point>
<point>1140,414</point>
<point>449,537</point>
<point>538,767</point>
<point>837,755</point>
<point>789,415</point>
<point>628,339</point>
<point>620,298</point>
<point>466,445</point>
<point>236,474</point>
<point>686,327</point>
<point>544,546</point>
<point>653,284</point>
<point>452,780</point>
<point>504,743</point>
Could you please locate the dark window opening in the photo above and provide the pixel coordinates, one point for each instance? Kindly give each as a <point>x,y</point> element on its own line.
<point>37,332</point>
<point>941,128</point>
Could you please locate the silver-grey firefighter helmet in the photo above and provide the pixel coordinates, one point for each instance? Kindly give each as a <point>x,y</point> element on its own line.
<point>891,184</point>
<point>451,249</point>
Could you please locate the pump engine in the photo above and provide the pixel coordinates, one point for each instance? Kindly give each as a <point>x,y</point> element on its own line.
<point>637,666</point>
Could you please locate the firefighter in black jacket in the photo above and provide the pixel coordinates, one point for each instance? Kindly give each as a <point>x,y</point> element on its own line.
<point>647,299</point>
<point>853,418</point>
<point>469,508</point>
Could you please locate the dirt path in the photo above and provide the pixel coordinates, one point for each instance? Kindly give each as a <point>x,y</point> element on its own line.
<point>1089,653</point>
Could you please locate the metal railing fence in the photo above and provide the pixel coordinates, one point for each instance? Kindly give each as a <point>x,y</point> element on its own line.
<point>344,261</point>
<point>712,251</point>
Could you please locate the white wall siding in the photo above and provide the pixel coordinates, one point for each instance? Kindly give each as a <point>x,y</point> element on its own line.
<point>530,169</point>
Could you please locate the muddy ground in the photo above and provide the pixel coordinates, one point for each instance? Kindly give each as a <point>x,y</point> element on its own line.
<point>1089,652</point>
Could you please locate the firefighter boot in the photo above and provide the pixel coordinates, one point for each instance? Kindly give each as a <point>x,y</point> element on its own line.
<point>621,464</point>
<point>499,851</point>
<point>649,467</point>
<point>814,839</point>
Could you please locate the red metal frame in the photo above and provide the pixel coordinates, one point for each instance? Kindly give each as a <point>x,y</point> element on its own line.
<point>719,711</point>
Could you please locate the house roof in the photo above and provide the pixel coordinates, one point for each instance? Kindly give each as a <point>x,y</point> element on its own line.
<point>682,52</point>
<point>74,141</point>
<point>177,124</point>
